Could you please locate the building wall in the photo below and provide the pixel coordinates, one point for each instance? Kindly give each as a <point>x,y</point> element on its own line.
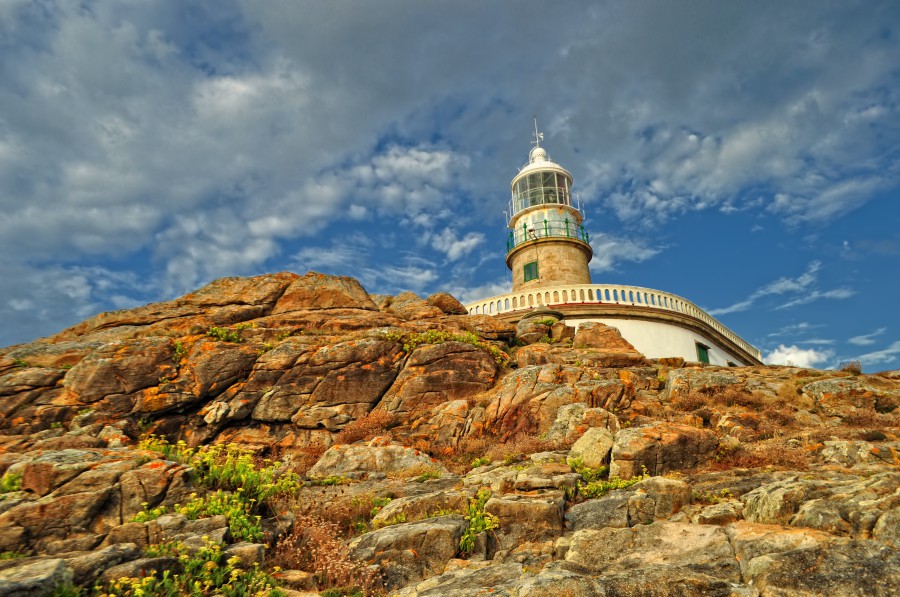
<point>656,340</point>
<point>559,262</point>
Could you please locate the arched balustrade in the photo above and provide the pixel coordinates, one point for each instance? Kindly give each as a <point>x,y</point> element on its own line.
<point>604,293</point>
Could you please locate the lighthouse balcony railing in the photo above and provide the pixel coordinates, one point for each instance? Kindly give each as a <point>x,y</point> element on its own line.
<point>613,294</point>
<point>546,229</point>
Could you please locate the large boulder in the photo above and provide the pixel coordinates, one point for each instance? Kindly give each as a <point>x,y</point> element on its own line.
<point>752,540</point>
<point>853,568</point>
<point>593,334</point>
<point>656,498</point>
<point>446,303</point>
<point>486,581</point>
<point>529,399</point>
<point>320,291</point>
<point>221,302</point>
<point>121,369</point>
<point>412,551</point>
<point>418,507</point>
<point>378,455</point>
<point>40,577</point>
<point>542,354</point>
<point>535,517</point>
<point>701,548</point>
<point>573,420</point>
<point>411,307</point>
<point>841,504</point>
<point>660,448</point>
<point>669,581</point>
<point>594,447</point>
<point>437,373</point>
<point>321,386</point>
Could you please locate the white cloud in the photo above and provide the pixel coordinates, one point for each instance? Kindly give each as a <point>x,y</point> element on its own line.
<point>867,339</point>
<point>836,294</point>
<point>610,250</point>
<point>882,357</point>
<point>779,286</point>
<point>794,328</point>
<point>798,357</point>
<point>455,246</point>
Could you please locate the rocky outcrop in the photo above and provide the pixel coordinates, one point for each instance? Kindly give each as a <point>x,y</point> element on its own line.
<point>661,448</point>
<point>741,481</point>
<point>413,551</point>
<point>438,373</point>
<point>378,456</point>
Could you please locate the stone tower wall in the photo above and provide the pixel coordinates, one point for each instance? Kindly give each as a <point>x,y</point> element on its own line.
<point>559,262</point>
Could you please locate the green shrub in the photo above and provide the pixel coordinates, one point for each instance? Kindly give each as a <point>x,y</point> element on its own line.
<point>243,487</point>
<point>600,487</point>
<point>10,482</point>
<point>148,514</point>
<point>588,475</point>
<point>481,461</point>
<point>228,467</point>
<point>377,504</point>
<point>479,520</point>
<point>180,352</point>
<point>206,572</point>
<point>237,510</point>
<point>398,518</point>
<point>225,334</point>
<point>332,480</point>
<point>427,475</point>
<point>11,555</point>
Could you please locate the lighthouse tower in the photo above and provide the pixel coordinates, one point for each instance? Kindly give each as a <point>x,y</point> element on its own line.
<point>548,251</point>
<point>547,244</point>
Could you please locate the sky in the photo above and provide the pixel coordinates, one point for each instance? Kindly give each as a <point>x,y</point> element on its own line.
<point>745,156</point>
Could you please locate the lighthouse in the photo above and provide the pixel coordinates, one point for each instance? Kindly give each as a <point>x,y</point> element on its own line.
<point>548,251</point>
<point>547,244</point>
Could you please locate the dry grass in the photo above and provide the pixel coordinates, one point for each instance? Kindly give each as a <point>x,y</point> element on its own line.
<point>868,417</point>
<point>302,459</point>
<point>458,459</point>
<point>349,512</point>
<point>691,402</point>
<point>715,398</point>
<point>774,453</point>
<point>377,422</point>
<point>779,416</point>
<point>314,545</point>
<point>736,397</point>
<point>520,446</point>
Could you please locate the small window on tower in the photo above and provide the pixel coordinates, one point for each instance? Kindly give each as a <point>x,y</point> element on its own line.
<point>531,271</point>
<point>702,353</point>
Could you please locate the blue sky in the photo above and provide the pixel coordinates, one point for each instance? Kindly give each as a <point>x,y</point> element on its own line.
<point>742,155</point>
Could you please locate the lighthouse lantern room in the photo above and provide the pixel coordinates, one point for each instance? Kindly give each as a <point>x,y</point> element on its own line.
<point>547,244</point>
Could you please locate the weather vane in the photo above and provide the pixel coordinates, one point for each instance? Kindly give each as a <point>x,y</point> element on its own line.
<point>538,136</point>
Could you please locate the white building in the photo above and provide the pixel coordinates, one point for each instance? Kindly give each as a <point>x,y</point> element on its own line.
<point>548,251</point>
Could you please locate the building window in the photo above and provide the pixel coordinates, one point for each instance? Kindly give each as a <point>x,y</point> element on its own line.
<point>531,271</point>
<point>730,364</point>
<point>702,353</point>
